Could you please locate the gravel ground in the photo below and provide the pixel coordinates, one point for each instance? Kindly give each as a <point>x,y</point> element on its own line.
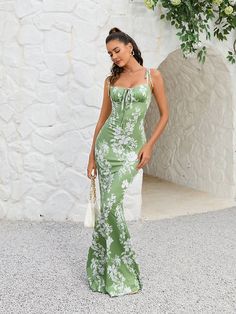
<point>187,264</point>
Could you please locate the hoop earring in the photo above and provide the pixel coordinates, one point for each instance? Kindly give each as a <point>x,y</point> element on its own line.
<point>132,52</point>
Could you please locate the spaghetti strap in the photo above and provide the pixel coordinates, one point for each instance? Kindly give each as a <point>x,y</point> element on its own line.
<point>149,78</point>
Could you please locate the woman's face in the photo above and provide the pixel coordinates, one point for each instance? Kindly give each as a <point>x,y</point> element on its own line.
<point>119,52</point>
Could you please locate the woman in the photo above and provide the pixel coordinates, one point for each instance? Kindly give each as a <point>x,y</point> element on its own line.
<point>118,151</point>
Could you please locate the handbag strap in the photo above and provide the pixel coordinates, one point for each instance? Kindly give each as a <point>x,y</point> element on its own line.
<point>93,189</point>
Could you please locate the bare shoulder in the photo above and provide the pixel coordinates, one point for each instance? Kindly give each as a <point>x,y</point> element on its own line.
<point>157,78</point>
<point>156,74</point>
<point>107,79</point>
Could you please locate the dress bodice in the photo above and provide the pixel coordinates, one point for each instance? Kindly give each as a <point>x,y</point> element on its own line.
<point>130,103</point>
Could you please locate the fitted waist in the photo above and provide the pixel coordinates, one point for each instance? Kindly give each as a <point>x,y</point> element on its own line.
<point>114,130</point>
<point>115,121</point>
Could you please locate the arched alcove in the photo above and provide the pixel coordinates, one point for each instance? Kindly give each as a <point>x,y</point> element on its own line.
<point>196,148</point>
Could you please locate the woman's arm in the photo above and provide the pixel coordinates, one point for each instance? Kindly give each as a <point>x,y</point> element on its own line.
<point>158,90</point>
<point>104,114</point>
<point>162,103</point>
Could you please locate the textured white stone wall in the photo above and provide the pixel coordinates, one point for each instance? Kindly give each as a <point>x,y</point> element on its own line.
<point>196,149</point>
<point>52,67</point>
<point>53,63</point>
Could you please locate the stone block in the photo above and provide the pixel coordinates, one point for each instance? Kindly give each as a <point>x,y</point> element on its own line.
<point>66,147</point>
<point>41,191</point>
<point>46,93</point>
<point>42,114</point>
<point>84,52</point>
<point>58,63</point>
<point>26,7</point>
<point>57,41</point>
<point>57,206</point>
<point>15,161</point>
<point>74,183</point>
<point>25,128</point>
<point>5,191</point>
<point>6,112</point>
<point>9,131</point>
<point>34,162</point>
<point>51,172</point>
<point>31,208</point>
<point>33,55</point>
<point>20,100</point>
<point>21,187</point>
<point>40,144</point>
<point>12,55</point>
<point>62,82</point>
<point>83,74</point>
<point>47,76</point>
<point>2,210</point>
<point>30,35</point>
<point>84,31</point>
<point>59,6</point>
<point>10,30</point>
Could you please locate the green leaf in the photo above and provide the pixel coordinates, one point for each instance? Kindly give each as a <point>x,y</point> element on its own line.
<point>193,18</point>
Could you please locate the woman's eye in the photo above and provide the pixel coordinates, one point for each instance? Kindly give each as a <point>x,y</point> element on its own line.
<point>115,52</point>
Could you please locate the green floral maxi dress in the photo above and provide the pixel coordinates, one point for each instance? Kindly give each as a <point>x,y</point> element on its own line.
<point>111,263</point>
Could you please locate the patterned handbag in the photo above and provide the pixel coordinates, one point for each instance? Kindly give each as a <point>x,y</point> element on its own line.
<point>93,209</point>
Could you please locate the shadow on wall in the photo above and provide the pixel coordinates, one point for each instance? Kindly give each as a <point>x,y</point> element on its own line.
<point>196,147</point>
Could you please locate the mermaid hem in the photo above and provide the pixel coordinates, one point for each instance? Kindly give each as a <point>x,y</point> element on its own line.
<point>105,290</point>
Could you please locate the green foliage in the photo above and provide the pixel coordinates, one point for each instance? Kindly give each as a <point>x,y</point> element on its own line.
<point>192,18</point>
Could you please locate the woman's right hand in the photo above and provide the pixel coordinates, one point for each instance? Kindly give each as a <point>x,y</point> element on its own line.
<point>91,167</point>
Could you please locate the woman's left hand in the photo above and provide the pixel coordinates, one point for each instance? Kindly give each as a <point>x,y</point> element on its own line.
<point>144,155</point>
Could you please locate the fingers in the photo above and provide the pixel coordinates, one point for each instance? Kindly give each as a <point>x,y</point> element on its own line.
<point>94,172</point>
<point>143,162</point>
<point>91,172</point>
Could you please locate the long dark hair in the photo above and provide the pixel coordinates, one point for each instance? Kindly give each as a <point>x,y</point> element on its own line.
<point>116,33</point>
